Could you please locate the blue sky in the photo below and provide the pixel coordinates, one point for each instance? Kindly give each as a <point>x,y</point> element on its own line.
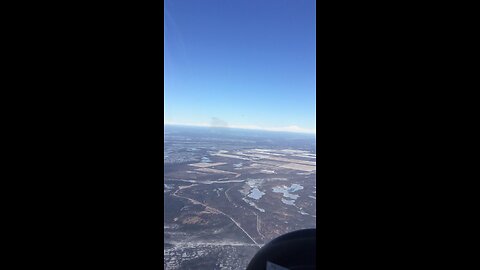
<point>240,63</point>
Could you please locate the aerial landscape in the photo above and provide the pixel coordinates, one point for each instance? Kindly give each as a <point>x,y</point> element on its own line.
<point>239,128</point>
<point>228,192</point>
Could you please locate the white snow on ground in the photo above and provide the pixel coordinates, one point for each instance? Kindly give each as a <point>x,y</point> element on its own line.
<point>289,202</point>
<point>206,165</point>
<point>253,205</point>
<point>209,182</point>
<point>167,188</point>
<point>253,183</point>
<point>306,173</point>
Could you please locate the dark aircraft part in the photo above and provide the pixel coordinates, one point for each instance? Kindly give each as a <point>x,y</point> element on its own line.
<point>291,251</point>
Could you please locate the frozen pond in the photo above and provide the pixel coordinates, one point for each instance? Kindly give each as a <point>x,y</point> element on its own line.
<point>294,188</point>
<point>287,193</point>
<point>256,194</point>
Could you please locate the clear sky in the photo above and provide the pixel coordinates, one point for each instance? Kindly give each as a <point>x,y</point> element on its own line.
<point>240,63</point>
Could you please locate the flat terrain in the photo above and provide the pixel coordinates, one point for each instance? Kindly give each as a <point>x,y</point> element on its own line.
<point>229,192</point>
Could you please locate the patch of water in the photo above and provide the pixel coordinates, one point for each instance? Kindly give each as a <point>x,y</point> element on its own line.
<point>294,187</point>
<point>256,194</point>
<point>286,193</point>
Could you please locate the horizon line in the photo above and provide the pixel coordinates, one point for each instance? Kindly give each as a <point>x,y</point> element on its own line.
<point>290,129</point>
